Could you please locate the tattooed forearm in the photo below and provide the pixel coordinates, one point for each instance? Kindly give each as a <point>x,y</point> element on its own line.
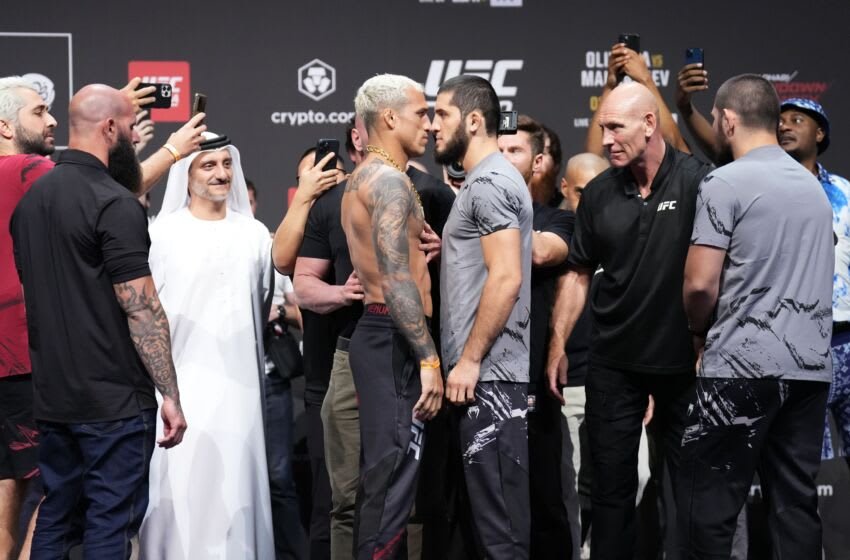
<point>392,204</point>
<point>149,331</point>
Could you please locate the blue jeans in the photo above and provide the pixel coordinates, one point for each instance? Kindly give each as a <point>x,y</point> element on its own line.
<point>290,540</point>
<point>104,466</point>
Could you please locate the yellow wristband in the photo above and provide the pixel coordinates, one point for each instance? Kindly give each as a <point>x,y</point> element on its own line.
<point>425,364</point>
<point>173,151</point>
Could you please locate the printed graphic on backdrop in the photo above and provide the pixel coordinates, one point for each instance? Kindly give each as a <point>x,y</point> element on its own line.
<point>495,71</point>
<point>175,73</point>
<point>491,3</point>
<point>594,74</point>
<point>789,84</point>
<point>46,60</point>
<point>317,81</point>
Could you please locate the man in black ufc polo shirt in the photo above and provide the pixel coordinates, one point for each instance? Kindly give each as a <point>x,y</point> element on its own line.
<point>634,221</point>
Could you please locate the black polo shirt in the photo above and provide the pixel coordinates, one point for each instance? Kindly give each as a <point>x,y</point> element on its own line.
<point>76,233</point>
<point>639,320</point>
<point>324,238</point>
<point>544,280</point>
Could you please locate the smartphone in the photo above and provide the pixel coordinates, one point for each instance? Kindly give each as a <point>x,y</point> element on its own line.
<point>199,104</point>
<point>162,95</point>
<point>323,148</point>
<point>694,55</point>
<point>631,40</point>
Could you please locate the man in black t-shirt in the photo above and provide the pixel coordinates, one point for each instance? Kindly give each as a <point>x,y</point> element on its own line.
<point>634,220</point>
<point>550,531</point>
<point>99,338</point>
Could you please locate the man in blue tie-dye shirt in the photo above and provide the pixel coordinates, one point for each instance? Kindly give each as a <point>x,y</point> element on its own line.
<point>804,134</point>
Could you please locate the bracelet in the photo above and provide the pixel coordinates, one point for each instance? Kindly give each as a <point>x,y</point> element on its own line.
<point>173,151</point>
<point>434,364</point>
<point>281,312</point>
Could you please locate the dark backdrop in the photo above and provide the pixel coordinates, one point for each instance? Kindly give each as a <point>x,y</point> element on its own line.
<point>256,62</point>
<point>246,57</point>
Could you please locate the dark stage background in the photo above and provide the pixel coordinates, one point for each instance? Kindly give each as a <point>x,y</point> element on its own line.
<point>280,74</point>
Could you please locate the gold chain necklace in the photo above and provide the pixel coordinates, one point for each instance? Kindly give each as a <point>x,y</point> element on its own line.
<point>383,153</point>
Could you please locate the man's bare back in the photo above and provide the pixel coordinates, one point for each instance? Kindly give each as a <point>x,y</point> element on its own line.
<point>383,219</point>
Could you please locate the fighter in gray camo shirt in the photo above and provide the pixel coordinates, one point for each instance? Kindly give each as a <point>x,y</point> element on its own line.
<point>485,289</point>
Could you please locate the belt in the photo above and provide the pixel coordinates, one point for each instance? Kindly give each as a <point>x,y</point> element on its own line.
<point>840,327</point>
<point>342,343</point>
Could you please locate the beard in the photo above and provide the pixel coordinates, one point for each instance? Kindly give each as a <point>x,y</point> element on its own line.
<point>124,165</point>
<point>724,154</point>
<point>455,148</point>
<point>31,143</point>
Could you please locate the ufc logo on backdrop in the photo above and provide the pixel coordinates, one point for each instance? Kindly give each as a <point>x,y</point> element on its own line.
<point>174,73</point>
<point>494,71</point>
<point>667,205</point>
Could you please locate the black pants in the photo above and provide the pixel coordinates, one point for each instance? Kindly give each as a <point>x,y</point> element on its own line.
<point>550,526</point>
<point>736,427</point>
<point>494,444</point>
<point>386,377</point>
<point>320,512</point>
<point>616,404</point>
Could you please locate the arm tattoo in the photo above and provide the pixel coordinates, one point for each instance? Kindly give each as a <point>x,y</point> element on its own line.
<point>150,333</point>
<point>391,205</point>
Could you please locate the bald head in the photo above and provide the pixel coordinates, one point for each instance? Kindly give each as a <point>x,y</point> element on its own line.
<point>581,169</point>
<point>632,98</point>
<point>586,164</point>
<point>629,118</point>
<point>94,104</point>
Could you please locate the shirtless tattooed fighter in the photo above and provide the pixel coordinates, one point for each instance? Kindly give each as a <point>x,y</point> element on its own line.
<point>393,358</point>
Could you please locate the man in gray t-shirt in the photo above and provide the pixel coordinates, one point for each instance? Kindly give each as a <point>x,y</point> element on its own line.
<point>773,316</point>
<point>494,198</point>
<point>485,314</point>
<point>758,296</point>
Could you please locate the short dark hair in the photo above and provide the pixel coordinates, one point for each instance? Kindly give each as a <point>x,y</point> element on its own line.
<point>535,133</point>
<point>472,93</point>
<point>752,98</point>
<point>250,184</point>
<point>554,146</point>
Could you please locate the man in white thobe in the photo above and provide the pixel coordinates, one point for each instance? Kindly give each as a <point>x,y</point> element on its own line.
<point>211,262</point>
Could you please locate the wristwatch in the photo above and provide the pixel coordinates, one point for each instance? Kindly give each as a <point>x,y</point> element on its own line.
<point>281,310</point>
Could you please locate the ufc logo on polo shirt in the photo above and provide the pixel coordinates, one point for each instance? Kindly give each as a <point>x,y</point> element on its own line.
<point>667,205</point>
<point>175,73</point>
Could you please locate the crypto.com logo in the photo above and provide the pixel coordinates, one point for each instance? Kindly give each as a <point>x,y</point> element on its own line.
<point>495,71</point>
<point>317,79</point>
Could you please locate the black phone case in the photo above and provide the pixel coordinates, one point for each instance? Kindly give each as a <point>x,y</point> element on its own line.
<point>323,148</point>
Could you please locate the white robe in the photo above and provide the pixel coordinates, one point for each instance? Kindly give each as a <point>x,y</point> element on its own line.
<point>209,495</point>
